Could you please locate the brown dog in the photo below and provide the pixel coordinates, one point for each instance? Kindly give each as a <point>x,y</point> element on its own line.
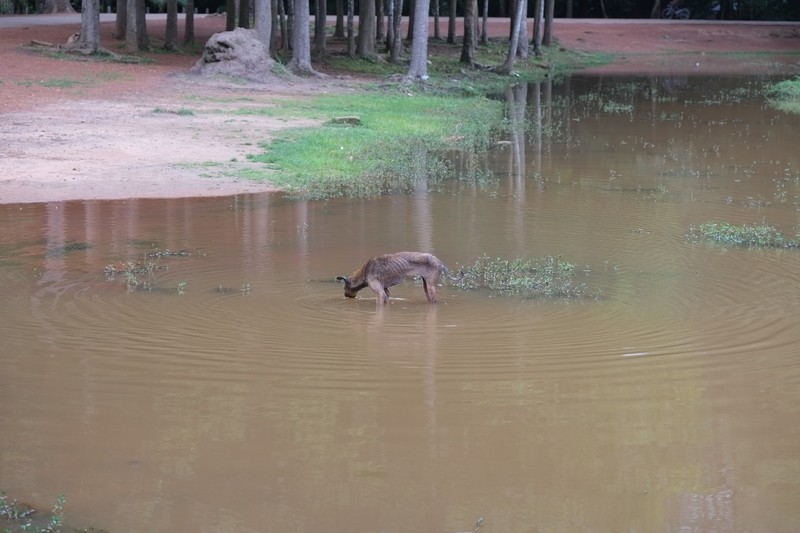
<point>384,271</point>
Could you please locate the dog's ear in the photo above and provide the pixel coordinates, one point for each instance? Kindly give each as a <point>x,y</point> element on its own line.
<point>342,278</point>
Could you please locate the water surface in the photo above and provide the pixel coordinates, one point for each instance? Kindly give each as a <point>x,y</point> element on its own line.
<point>235,389</point>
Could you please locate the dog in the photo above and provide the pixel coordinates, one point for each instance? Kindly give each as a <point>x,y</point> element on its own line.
<point>384,271</point>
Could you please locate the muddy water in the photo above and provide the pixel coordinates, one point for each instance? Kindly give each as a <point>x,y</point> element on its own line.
<point>233,388</point>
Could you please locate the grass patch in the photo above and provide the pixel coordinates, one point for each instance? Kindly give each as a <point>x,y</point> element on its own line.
<point>785,95</point>
<point>449,76</point>
<point>183,111</point>
<point>400,140</point>
<point>548,276</point>
<point>760,235</point>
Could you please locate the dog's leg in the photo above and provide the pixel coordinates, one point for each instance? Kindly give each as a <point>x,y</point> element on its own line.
<point>381,292</point>
<point>430,290</point>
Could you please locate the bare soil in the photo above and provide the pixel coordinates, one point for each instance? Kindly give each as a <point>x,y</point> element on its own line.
<point>78,130</point>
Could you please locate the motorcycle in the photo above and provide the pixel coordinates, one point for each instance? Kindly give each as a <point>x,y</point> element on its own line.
<point>672,11</point>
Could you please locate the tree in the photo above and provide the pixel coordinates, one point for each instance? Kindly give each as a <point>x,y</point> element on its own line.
<point>89,40</point>
<point>549,7</point>
<point>418,69</point>
<point>122,19</point>
<point>393,37</point>
<point>351,36</point>
<point>171,35</point>
<point>263,21</point>
<point>244,13</point>
<point>468,46</point>
<point>319,28</point>
<point>188,23</point>
<point>508,66</point>
<point>301,40</point>
<point>485,23</point>
<point>131,31</point>
<point>451,23</point>
<point>60,6</point>
<point>537,29</point>
<point>366,29</point>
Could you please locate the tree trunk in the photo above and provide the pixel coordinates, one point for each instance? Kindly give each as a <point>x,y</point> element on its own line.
<point>451,23</point>
<point>122,19</point>
<point>188,23</point>
<point>380,31</point>
<point>366,29</point>
<point>338,31</point>
<point>411,14</point>
<point>141,25</point>
<point>537,29</point>
<point>52,7</point>
<point>394,40</point>
<point>263,21</point>
<point>131,40</point>
<point>171,33</point>
<point>89,41</point>
<point>230,15</point>
<point>284,26</point>
<point>523,49</point>
<point>485,24</point>
<point>468,46</point>
<point>244,13</point>
<point>418,70</point>
<point>436,34</point>
<point>508,66</point>
<point>320,15</point>
<point>351,34</point>
<point>301,40</point>
<point>549,8</point>
<point>655,11</point>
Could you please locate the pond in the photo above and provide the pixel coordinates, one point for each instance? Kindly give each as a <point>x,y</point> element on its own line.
<point>192,364</point>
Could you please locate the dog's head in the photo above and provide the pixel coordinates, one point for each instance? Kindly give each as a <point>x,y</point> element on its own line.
<point>348,288</point>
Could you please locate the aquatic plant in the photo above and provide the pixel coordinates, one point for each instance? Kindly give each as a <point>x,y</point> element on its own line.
<point>548,276</point>
<point>785,95</point>
<point>762,235</point>
<point>22,517</point>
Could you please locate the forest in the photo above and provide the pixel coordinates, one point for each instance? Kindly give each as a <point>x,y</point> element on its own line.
<point>772,10</point>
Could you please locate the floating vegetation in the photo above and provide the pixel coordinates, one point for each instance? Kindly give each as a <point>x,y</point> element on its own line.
<point>548,276</point>
<point>170,253</point>
<point>70,246</point>
<point>785,95</point>
<point>15,516</point>
<point>137,275</point>
<point>761,235</point>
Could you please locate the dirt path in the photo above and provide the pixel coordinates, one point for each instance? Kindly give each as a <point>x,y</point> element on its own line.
<point>72,130</point>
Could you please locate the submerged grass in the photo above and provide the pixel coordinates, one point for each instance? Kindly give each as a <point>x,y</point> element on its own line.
<point>15,516</point>
<point>548,276</point>
<point>401,140</point>
<point>758,235</point>
<point>785,95</point>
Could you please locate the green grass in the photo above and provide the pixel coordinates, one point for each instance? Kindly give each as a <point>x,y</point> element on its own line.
<point>757,235</point>
<point>401,139</point>
<point>785,95</point>
<point>548,276</point>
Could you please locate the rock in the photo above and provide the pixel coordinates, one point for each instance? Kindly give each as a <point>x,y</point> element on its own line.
<point>236,53</point>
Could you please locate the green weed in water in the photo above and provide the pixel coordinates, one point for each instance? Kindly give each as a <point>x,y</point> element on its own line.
<point>548,276</point>
<point>20,517</point>
<point>785,95</point>
<point>761,235</point>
